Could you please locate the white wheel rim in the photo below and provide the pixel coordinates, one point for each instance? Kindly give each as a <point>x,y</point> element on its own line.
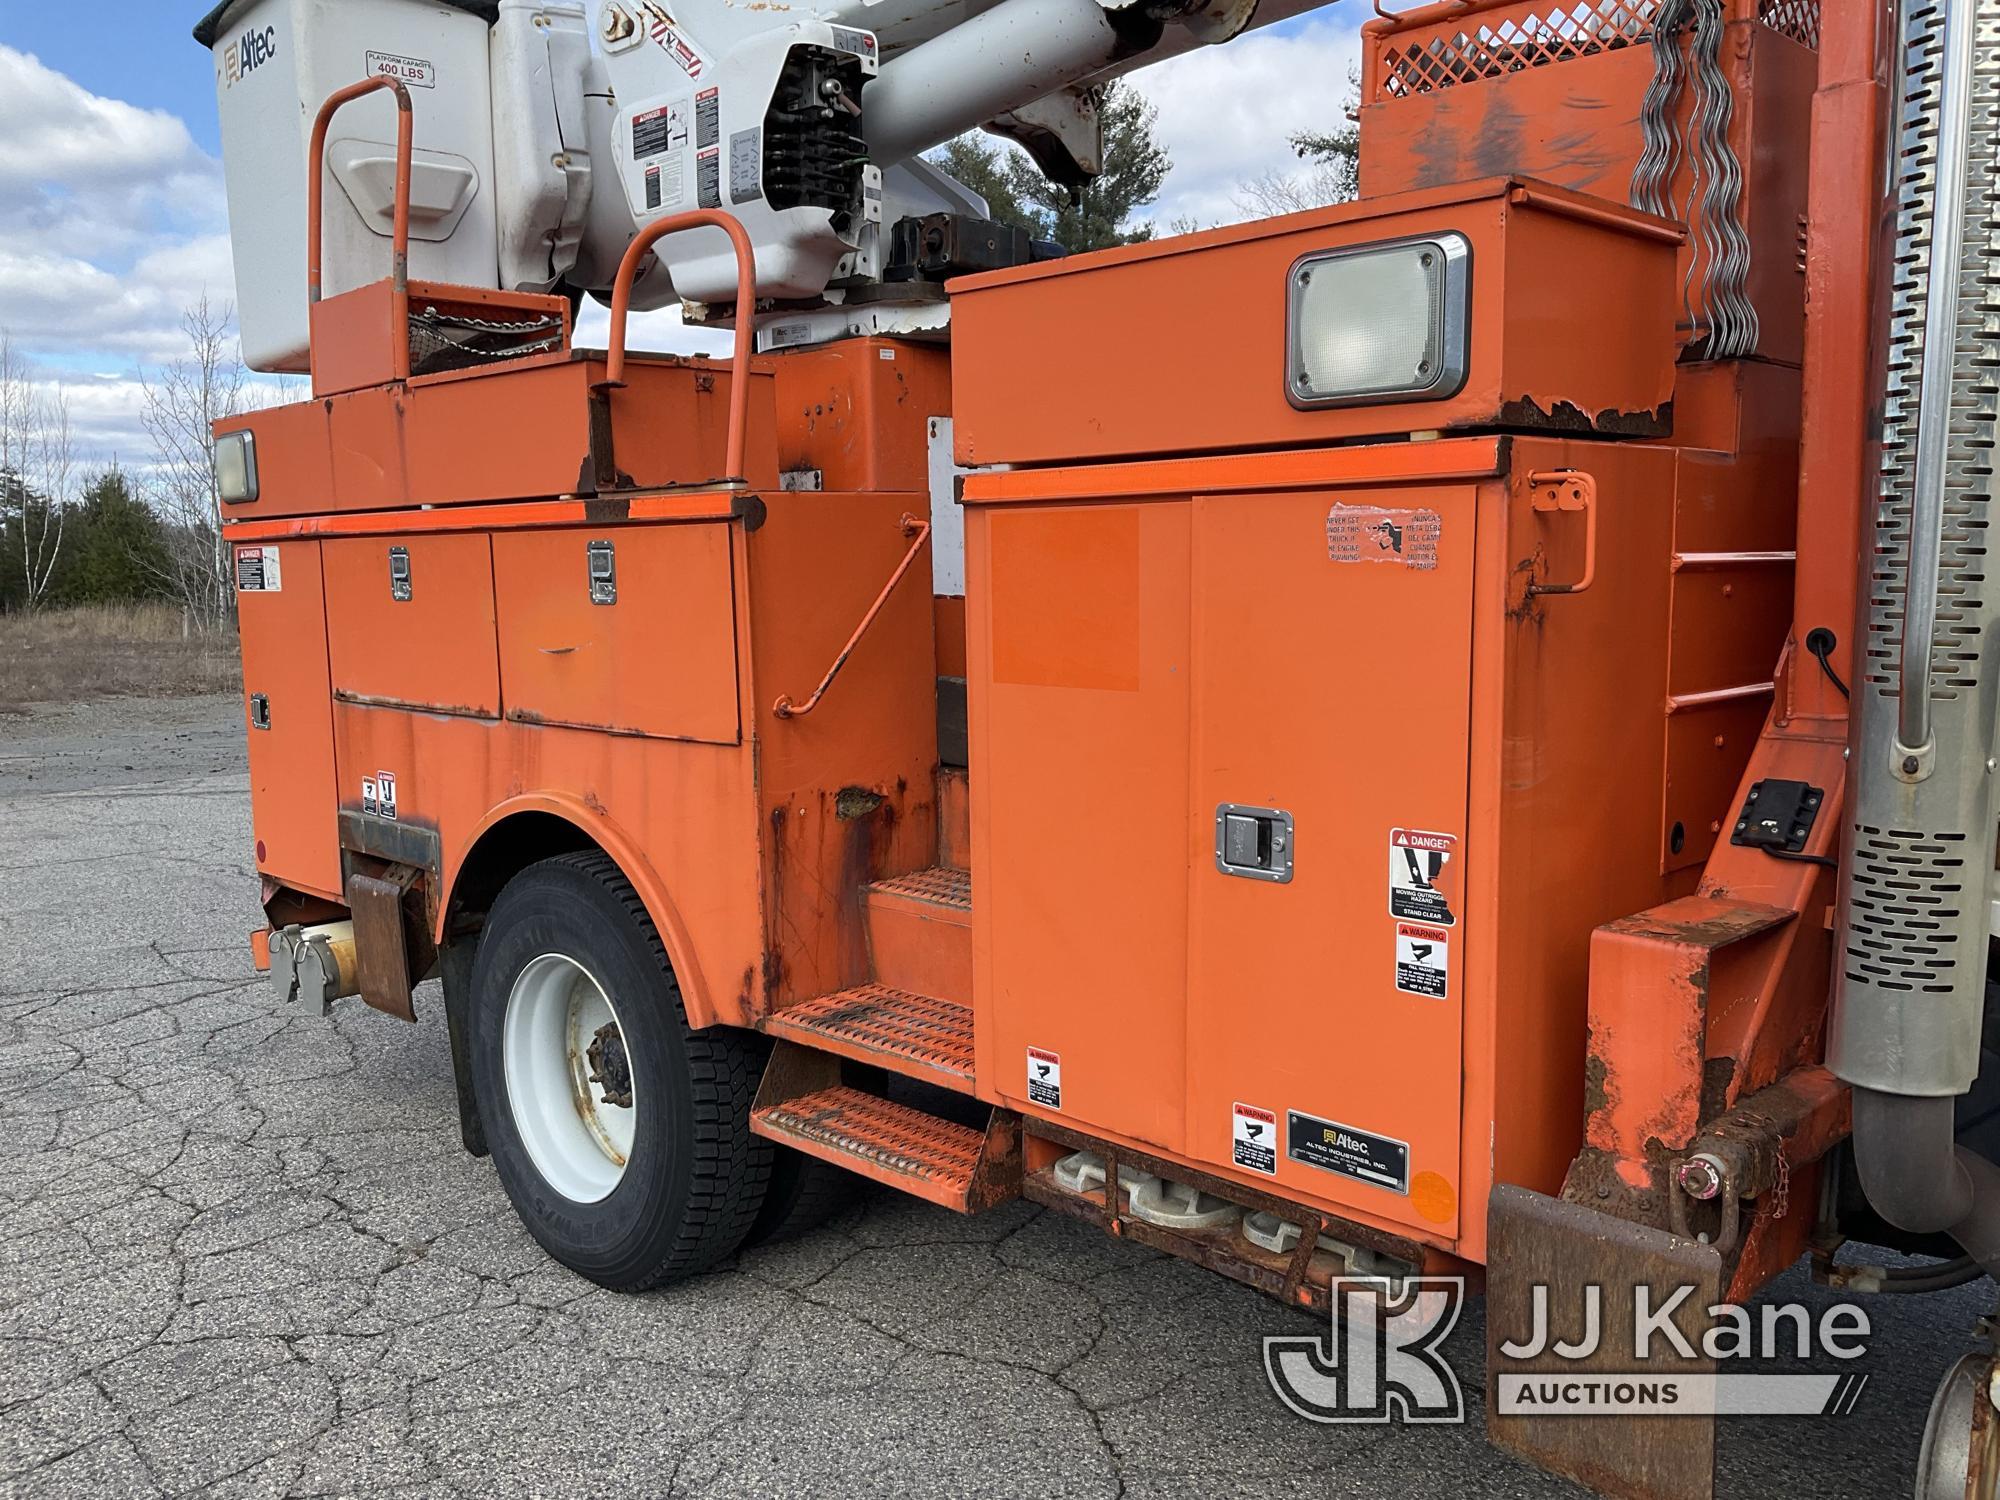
<point>578,1139</point>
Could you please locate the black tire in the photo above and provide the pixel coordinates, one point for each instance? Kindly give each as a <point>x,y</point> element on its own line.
<point>695,1177</point>
<point>804,1193</point>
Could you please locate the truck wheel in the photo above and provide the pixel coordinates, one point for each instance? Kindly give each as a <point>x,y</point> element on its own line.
<point>805,1192</point>
<point>621,1135</point>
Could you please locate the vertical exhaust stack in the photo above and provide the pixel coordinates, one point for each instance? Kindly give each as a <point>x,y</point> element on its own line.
<point>1914,915</point>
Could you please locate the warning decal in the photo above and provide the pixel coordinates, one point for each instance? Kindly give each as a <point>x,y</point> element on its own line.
<point>656,131</point>
<point>1423,960</point>
<point>1342,1149</point>
<point>1423,876</point>
<point>1373,534</point>
<point>1253,1139</point>
<point>257,571</point>
<point>1044,1078</point>
<point>378,795</point>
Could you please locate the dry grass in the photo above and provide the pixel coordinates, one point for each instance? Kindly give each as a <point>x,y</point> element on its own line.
<point>110,651</point>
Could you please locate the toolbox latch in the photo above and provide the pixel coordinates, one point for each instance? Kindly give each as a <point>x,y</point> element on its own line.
<point>1254,842</point>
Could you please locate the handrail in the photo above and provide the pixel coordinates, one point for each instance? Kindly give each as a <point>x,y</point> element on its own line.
<point>920,532</point>
<point>746,302</point>
<point>399,269</point>
<point>1933,457</point>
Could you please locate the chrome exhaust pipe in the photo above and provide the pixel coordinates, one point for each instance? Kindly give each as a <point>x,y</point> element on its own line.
<point>1915,911</point>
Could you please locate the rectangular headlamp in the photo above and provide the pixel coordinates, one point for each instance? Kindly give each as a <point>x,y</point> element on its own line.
<point>236,467</point>
<point>1379,323</point>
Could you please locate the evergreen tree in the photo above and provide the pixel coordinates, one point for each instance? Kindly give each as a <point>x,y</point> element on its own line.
<point>1101,213</point>
<point>119,553</point>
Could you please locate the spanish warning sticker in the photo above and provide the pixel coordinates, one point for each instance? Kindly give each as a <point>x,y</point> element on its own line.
<point>1374,1159</point>
<point>1044,1078</point>
<point>1372,534</point>
<point>1253,1139</point>
<point>1423,876</point>
<point>1423,960</point>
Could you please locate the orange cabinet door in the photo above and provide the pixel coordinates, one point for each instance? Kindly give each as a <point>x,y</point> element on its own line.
<point>1080,742</point>
<point>1332,659</point>
<point>410,623</point>
<point>288,715</point>
<point>630,629</point>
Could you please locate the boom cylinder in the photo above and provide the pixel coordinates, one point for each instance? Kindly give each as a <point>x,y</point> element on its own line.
<point>1013,54</point>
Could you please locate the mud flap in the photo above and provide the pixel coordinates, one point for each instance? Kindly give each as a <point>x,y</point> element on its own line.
<point>1533,1241</point>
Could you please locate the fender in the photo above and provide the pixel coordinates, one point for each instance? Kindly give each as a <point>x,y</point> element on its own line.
<point>625,851</point>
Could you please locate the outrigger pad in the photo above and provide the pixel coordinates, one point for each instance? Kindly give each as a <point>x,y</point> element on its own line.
<point>1536,1241</point>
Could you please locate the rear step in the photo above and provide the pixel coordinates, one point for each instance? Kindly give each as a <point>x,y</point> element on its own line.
<point>920,932</point>
<point>915,1035</point>
<point>803,1104</point>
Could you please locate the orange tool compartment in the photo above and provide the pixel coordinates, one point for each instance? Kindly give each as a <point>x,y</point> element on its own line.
<point>664,665</point>
<point>1143,310</point>
<point>410,622</point>
<point>281,612</point>
<point>1408,664</point>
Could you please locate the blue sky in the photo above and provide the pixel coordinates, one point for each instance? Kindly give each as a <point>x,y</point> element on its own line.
<point>111,209</point>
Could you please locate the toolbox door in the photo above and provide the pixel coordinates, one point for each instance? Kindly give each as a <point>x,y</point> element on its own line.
<point>1331,655</point>
<point>288,715</point>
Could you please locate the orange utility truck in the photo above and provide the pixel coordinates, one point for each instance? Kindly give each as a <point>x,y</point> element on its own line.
<point>1325,746</point>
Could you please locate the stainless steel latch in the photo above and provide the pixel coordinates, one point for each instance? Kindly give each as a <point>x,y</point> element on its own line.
<point>1254,842</point>
<point>399,575</point>
<point>603,573</point>
<point>260,711</point>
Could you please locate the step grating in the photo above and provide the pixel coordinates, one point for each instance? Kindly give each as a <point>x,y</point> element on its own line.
<point>916,1035</point>
<point>940,886</point>
<point>932,1157</point>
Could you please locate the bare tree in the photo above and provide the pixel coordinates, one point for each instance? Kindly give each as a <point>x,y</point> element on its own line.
<point>183,401</point>
<point>37,472</point>
<point>1331,174</point>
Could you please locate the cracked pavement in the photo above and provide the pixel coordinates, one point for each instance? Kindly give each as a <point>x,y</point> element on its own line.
<point>242,1253</point>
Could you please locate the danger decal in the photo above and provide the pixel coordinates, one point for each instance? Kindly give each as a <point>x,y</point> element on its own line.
<point>1423,876</point>
<point>1253,1139</point>
<point>1375,534</point>
<point>1044,1078</point>
<point>258,571</point>
<point>1423,960</point>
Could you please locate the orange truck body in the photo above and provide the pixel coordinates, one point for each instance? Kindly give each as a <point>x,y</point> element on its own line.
<point>1559,682</point>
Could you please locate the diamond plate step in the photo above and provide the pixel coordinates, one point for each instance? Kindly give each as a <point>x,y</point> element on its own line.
<point>920,933</point>
<point>930,1158</point>
<point>940,886</point>
<point>915,1035</point>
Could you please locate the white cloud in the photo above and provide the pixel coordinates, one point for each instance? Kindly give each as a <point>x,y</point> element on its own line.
<point>115,223</point>
<point>1227,113</point>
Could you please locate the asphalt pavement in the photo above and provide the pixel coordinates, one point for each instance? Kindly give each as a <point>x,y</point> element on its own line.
<point>241,1252</point>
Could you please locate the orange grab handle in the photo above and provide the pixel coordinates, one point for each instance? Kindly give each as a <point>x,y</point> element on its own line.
<point>316,188</point>
<point>746,302</point>
<point>919,532</point>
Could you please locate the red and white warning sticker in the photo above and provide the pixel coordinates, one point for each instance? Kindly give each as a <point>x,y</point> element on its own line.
<point>1423,960</point>
<point>258,571</point>
<point>1253,1139</point>
<point>1423,876</point>
<point>1045,1078</point>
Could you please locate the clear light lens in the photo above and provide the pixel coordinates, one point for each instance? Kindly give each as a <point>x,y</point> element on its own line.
<point>1377,323</point>
<point>236,467</point>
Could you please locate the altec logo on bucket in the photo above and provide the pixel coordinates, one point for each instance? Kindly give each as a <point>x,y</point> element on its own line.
<point>248,53</point>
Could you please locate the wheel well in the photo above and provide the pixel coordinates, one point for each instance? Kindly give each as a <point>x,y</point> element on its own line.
<point>504,851</point>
